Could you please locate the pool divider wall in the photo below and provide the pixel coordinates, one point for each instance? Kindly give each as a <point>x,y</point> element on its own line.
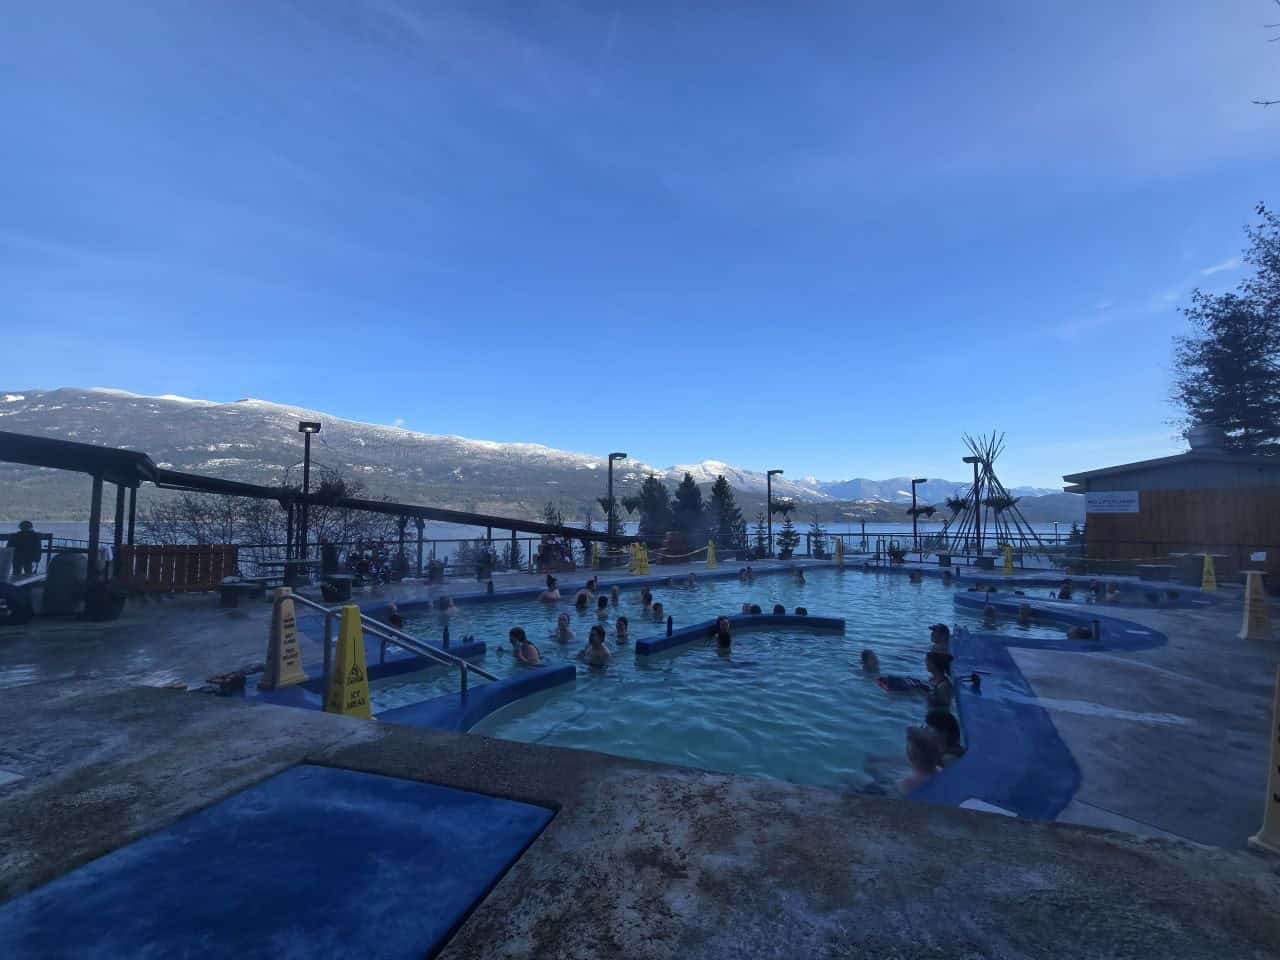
<point>1117,633</point>
<point>703,631</point>
<point>459,712</point>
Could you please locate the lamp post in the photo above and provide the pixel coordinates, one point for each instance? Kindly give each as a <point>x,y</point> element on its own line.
<point>768,487</point>
<point>977,506</point>
<point>1055,531</point>
<point>915,537</point>
<point>306,428</point>
<point>611,522</point>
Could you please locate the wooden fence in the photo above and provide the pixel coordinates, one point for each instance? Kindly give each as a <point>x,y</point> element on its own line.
<point>150,568</point>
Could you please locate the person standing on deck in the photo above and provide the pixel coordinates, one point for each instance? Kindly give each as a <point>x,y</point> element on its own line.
<point>26,549</point>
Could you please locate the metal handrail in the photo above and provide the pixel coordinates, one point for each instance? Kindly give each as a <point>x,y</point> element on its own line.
<point>413,644</point>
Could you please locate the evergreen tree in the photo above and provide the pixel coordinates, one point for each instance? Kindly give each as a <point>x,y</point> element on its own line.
<point>1228,369</point>
<point>817,537</point>
<point>654,504</point>
<point>761,535</point>
<point>688,511</point>
<point>788,538</point>
<point>727,526</point>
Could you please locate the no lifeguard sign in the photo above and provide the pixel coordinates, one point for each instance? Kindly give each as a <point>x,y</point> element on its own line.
<point>1111,501</point>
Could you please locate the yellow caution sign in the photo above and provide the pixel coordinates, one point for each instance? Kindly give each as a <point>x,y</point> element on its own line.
<point>1257,613</point>
<point>633,563</point>
<point>1209,581</point>
<point>595,555</point>
<point>839,551</point>
<point>711,554</point>
<point>284,659</point>
<point>349,679</point>
<point>1008,559</point>
<point>1268,838</point>
<point>644,559</point>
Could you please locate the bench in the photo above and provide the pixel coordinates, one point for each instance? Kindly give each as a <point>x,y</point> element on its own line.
<point>231,591</point>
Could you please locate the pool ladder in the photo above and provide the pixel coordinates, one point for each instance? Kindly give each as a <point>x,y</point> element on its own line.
<point>384,632</point>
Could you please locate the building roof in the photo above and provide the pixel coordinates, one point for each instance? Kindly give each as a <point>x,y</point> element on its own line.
<point>115,465</point>
<point>1191,456</point>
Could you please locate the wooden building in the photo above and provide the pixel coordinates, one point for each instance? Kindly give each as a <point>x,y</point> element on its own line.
<point>1204,500</point>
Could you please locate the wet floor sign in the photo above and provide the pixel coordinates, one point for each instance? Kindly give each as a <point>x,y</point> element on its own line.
<point>284,659</point>
<point>349,678</point>
<point>1257,611</point>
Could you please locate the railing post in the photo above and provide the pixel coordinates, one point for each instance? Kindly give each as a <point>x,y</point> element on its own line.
<point>463,668</point>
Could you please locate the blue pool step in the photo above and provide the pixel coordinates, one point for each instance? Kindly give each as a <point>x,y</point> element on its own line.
<point>314,862</point>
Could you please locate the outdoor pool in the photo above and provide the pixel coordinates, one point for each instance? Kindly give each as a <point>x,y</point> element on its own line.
<point>785,704</point>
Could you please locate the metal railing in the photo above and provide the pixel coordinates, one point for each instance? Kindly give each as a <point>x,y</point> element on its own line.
<point>382,630</point>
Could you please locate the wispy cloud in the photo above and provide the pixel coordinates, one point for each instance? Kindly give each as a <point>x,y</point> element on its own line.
<point>1229,264</point>
<point>398,422</point>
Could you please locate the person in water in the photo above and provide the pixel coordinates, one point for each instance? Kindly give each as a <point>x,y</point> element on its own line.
<point>988,615</point>
<point>620,627</point>
<point>923,755</point>
<point>751,575</point>
<point>595,653</point>
<point>946,578</point>
<point>742,573</point>
<point>690,580</point>
<point>657,612</point>
<point>870,662</point>
<point>1064,593</point>
<point>724,638</point>
<point>393,617</point>
<point>746,608</point>
<point>615,595</point>
<point>592,585</point>
<point>1024,614</point>
<point>802,611</point>
<point>915,576</point>
<point>940,638</point>
<point>552,593</point>
<point>945,730</point>
<point>602,606</point>
<point>755,610</point>
<point>940,689</point>
<point>521,647</point>
<point>799,574</point>
<point>582,600</point>
<point>563,632</point>
<point>779,610</point>
<point>1079,633</point>
<point>450,608</point>
<point>646,597</point>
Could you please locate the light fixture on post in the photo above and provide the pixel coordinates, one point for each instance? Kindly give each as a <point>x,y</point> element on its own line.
<point>768,487</point>
<point>977,506</point>
<point>611,523</point>
<point>306,428</point>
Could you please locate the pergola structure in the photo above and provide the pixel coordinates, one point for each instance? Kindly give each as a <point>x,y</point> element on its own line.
<point>129,469</point>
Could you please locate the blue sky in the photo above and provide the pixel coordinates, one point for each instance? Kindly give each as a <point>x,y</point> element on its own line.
<point>825,237</point>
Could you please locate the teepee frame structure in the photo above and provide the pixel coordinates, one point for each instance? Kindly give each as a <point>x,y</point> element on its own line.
<point>987,515</point>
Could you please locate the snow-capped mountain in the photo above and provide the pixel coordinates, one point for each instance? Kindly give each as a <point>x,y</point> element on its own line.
<point>257,441</point>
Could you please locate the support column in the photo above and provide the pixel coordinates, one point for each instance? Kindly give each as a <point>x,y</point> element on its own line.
<point>288,536</point>
<point>91,569</point>
<point>133,511</point>
<point>420,523</point>
<point>117,531</point>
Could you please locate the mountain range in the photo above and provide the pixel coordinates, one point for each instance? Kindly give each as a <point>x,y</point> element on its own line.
<point>257,441</point>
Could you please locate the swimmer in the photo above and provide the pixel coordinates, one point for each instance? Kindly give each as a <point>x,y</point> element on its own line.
<point>746,608</point>
<point>1113,592</point>
<point>940,638</point>
<point>552,593</point>
<point>988,616</point>
<point>802,611</point>
<point>620,628</point>
<point>657,612</point>
<point>915,576</point>
<point>799,575</point>
<point>1064,592</point>
<point>615,595</point>
<point>563,633</point>
<point>939,667</point>
<point>723,637</point>
<point>646,598</point>
<point>690,580</point>
<point>393,617</point>
<point>521,648</point>
<point>923,755</point>
<point>1024,615</point>
<point>1079,633</point>
<point>582,600</point>
<point>870,662</point>
<point>945,730</point>
<point>779,610</point>
<point>602,606</point>
<point>755,610</point>
<point>449,607</point>
<point>742,573</point>
<point>595,653</point>
<point>592,585</point>
<point>946,578</point>
<point>750,575</point>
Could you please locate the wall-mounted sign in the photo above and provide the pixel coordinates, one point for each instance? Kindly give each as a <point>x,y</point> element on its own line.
<point>1111,501</point>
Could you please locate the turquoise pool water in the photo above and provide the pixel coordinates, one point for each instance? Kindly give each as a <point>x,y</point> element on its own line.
<point>785,705</point>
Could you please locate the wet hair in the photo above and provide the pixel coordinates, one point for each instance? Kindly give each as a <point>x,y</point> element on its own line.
<point>602,603</point>
<point>945,724</point>
<point>657,608</point>
<point>779,608</point>
<point>596,631</point>
<point>869,659</point>
<point>802,611</point>
<point>624,621</point>
<point>582,600</point>
<point>922,750</point>
<point>721,632</point>
<point>517,634</point>
<point>941,628</point>
<point>936,662</point>
<point>755,609</point>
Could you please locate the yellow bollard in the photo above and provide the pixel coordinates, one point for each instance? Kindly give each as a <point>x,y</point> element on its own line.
<point>711,554</point>
<point>1209,581</point>
<point>1008,559</point>
<point>284,659</point>
<point>349,681</point>
<point>1268,837</point>
<point>595,555</point>
<point>634,564</point>
<point>839,551</point>
<point>1257,614</point>
<point>644,558</point>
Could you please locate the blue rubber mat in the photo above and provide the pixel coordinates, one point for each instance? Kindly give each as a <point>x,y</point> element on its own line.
<point>315,862</point>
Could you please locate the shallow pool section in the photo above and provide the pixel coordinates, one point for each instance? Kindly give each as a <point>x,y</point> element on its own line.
<point>783,704</point>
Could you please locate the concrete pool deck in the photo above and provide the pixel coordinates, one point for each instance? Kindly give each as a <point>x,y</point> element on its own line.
<point>643,860</point>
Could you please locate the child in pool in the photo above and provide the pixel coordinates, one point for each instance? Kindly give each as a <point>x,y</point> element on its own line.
<point>595,653</point>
